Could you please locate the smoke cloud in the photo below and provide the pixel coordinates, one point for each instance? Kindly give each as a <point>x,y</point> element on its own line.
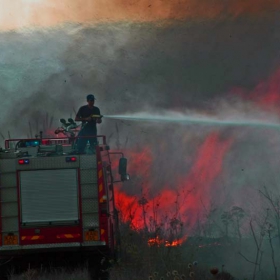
<point>219,67</point>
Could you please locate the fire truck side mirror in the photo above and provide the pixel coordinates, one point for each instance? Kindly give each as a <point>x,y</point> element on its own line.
<point>122,169</point>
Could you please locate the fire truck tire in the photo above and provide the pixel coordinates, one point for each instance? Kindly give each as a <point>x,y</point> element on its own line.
<point>104,269</point>
<point>93,273</point>
<point>3,273</point>
<point>98,270</point>
<point>6,269</point>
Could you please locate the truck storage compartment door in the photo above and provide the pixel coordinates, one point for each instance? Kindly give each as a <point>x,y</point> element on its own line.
<point>49,196</point>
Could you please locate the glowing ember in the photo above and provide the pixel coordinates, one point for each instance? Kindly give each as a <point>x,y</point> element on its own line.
<point>175,242</point>
<point>158,242</point>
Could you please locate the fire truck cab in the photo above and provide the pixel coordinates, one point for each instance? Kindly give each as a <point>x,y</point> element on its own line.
<point>52,200</point>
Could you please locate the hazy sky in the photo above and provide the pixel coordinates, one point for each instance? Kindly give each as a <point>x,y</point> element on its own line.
<point>30,13</point>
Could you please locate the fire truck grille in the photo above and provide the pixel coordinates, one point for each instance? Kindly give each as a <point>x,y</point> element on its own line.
<point>90,206</point>
<point>8,179</point>
<point>49,196</point>
<point>89,191</point>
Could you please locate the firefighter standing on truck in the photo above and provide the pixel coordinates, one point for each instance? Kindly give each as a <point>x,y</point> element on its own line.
<point>88,114</point>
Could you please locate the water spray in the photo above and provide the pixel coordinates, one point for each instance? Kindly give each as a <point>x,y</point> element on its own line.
<point>188,120</point>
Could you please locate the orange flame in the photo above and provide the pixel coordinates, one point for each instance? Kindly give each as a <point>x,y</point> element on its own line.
<point>158,242</point>
<point>183,198</point>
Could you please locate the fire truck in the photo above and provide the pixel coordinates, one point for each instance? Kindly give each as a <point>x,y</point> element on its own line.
<point>54,201</point>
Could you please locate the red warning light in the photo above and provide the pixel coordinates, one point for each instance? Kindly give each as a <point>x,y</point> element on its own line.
<point>70,159</point>
<point>23,161</point>
<point>45,142</point>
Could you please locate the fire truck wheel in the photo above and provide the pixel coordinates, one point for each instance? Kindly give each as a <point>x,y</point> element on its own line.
<point>104,276</point>
<point>3,273</point>
<point>98,270</point>
<point>104,269</point>
<point>93,272</point>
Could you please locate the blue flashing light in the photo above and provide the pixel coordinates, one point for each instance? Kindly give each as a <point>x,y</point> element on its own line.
<point>32,143</point>
<point>23,161</point>
<point>70,159</point>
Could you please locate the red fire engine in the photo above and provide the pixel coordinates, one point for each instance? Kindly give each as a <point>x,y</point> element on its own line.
<point>53,200</point>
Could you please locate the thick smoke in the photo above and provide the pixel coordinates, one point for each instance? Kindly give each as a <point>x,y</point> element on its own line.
<point>142,67</point>
<point>194,66</point>
<point>131,66</point>
<point>212,68</point>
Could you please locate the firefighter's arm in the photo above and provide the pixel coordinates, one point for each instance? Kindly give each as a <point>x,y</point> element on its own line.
<point>79,118</point>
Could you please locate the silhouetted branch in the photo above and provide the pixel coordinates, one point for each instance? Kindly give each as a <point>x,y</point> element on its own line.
<point>247,259</point>
<point>272,255</point>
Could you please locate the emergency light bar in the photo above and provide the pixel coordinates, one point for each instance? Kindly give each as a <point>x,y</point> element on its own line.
<point>28,143</point>
<point>70,159</point>
<point>23,161</point>
<point>32,143</point>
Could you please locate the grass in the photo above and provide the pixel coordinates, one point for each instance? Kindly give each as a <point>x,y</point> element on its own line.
<point>123,273</point>
<point>55,274</point>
